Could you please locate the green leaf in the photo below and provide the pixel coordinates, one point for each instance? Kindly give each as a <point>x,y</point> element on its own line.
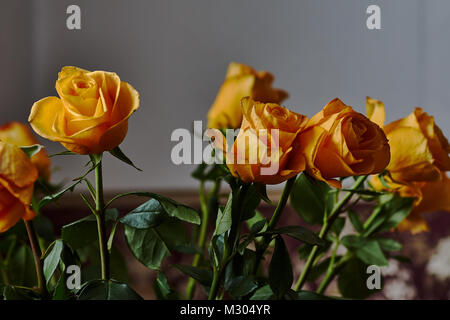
<point>258,226</point>
<point>53,197</point>
<point>199,172</point>
<point>44,227</point>
<point>352,280</point>
<point>368,250</point>
<point>318,269</point>
<point>299,233</point>
<point>52,259</point>
<point>305,250</point>
<point>161,287</point>
<point>263,293</point>
<point>309,295</point>
<point>148,215</point>
<point>353,242</point>
<point>309,198</point>
<point>216,248</point>
<point>87,227</point>
<point>262,191</point>
<point>118,153</point>
<point>395,210</point>
<point>177,210</point>
<point>280,269</point>
<point>150,246</point>
<point>371,253</point>
<point>355,220</point>
<point>241,286</point>
<point>19,293</point>
<point>202,275</point>
<point>30,151</point>
<point>392,210</point>
<point>61,292</point>
<point>21,267</point>
<point>63,153</point>
<point>90,254</point>
<point>338,225</point>
<point>250,203</point>
<point>256,218</point>
<point>388,244</point>
<point>213,172</point>
<point>107,290</point>
<point>224,217</point>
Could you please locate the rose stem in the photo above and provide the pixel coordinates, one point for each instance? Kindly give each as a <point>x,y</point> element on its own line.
<point>262,247</point>
<point>101,224</point>
<point>37,253</point>
<point>324,231</point>
<point>341,263</point>
<point>230,243</point>
<point>190,289</point>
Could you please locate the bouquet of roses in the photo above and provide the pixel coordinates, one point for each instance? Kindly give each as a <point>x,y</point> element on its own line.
<point>329,164</point>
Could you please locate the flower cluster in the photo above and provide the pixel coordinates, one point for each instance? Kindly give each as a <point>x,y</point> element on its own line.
<point>335,143</point>
<point>329,163</point>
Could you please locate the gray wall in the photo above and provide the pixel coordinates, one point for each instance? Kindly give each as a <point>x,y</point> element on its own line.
<point>176,53</point>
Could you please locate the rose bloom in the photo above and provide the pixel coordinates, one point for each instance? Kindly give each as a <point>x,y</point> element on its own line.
<point>241,81</point>
<point>419,159</point>
<point>17,177</point>
<point>435,196</point>
<point>91,114</point>
<point>265,150</point>
<point>340,142</point>
<point>21,135</point>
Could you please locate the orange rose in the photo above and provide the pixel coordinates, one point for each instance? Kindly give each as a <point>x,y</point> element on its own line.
<point>17,177</point>
<point>91,115</point>
<point>419,150</point>
<point>435,196</point>
<point>241,81</point>
<point>265,150</point>
<point>419,159</point>
<point>340,142</point>
<point>21,135</point>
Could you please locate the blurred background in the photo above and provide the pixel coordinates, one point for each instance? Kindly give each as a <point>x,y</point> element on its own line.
<point>175,53</point>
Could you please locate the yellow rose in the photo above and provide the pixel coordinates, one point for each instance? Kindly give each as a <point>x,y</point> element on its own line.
<point>435,196</point>
<point>91,115</point>
<point>265,150</point>
<point>21,135</point>
<point>241,81</point>
<point>419,150</point>
<point>17,177</point>
<point>339,142</point>
<point>419,159</point>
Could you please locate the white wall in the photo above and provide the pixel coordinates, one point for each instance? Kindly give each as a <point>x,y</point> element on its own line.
<point>176,53</point>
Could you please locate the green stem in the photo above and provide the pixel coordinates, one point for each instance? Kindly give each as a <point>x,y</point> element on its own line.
<point>201,242</point>
<point>231,241</point>
<point>4,273</point>
<point>335,268</point>
<point>101,223</point>
<point>324,231</point>
<point>214,285</point>
<point>37,253</point>
<point>262,247</point>
<point>366,232</point>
